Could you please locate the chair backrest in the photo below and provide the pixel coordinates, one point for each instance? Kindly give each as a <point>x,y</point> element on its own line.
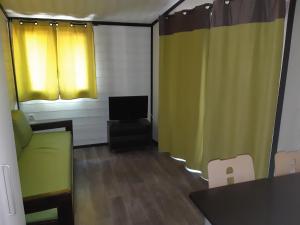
<point>287,163</point>
<point>236,170</point>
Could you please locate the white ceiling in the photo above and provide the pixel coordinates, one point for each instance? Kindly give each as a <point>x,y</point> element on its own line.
<point>138,11</point>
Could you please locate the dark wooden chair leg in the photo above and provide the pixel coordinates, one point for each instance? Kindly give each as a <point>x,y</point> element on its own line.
<point>65,212</point>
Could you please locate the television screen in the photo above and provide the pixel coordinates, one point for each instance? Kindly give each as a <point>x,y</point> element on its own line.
<point>128,107</point>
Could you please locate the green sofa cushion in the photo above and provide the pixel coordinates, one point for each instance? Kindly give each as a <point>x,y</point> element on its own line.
<point>18,146</point>
<point>45,164</point>
<point>46,215</point>
<point>22,129</point>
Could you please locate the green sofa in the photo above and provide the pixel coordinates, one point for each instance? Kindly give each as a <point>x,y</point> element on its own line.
<point>46,171</point>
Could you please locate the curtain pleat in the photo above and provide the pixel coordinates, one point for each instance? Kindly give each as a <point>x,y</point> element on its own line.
<point>241,92</point>
<point>233,87</point>
<point>35,59</point>
<point>76,63</point>
<point>183,62</point>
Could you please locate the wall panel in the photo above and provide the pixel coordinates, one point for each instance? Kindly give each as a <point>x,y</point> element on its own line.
<point>10,188</point>
<point>7,59</point>
<point>289,138</point>
<point>155,80</point>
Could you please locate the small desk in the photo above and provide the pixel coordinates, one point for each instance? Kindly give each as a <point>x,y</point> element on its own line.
<point>262,202</point>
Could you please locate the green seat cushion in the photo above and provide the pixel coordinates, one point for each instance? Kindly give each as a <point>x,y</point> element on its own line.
<point>18,146</point>
<point>46,215</point>
<point>45,164</point>
<point>22,129</point>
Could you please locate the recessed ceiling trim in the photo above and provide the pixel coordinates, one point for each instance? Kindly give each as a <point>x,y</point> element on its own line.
<point>95,23</point>
<point>124,11</point>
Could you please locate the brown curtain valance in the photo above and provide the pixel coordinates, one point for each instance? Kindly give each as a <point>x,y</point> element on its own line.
<point>233,12</point>
<point>222,13</point>
<point>186,20</point>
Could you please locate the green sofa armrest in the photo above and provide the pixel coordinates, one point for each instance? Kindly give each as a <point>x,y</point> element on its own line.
<point>54,222</point>
<point>68,124</point>
<point>22,129</point>
<point>61,200</point>
<point>45,201</point>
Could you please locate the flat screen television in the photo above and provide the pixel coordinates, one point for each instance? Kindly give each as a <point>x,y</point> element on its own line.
<point>128,108</point>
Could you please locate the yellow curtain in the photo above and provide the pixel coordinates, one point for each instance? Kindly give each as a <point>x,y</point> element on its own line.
<point>76,63</point>
<point>34,49</point>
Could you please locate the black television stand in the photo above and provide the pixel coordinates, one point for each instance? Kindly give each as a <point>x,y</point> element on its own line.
<point>128,134</point>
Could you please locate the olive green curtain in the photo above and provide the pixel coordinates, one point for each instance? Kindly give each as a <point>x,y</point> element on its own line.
<point>184,46</point>
<point>242,82</point>
<point>237,86</point>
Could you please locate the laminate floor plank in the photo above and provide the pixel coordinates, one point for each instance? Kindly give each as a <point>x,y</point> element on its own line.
<point>141,187</point>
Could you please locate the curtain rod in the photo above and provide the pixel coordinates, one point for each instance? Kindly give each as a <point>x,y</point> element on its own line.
<point>95,23</point>
<point>52,23</point>
<point>173,7</point>
<point>25,21</point>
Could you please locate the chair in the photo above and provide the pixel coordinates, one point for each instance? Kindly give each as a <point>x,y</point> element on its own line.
<point>223,172</point>
<point>236,170</point>
<point>287,163</point>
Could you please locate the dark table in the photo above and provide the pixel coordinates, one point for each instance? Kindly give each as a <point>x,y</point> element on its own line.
<point>262,202</point>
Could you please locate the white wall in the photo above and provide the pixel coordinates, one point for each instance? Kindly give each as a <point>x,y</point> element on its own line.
<point>123,68</point>
<point>289,138</point>
<point>8,154</point>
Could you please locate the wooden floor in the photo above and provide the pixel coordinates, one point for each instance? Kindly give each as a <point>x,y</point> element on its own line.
<point>133,188</point>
